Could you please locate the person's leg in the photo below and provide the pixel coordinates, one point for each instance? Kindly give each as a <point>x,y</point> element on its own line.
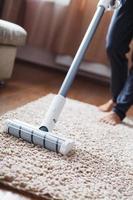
<point>123,103</point>
<point>118,39</point>
<point>125,98</point>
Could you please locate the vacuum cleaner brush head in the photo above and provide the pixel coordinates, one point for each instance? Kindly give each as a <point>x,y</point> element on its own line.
<point>36,136</point>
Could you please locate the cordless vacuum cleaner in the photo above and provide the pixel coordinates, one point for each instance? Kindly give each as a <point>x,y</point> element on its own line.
<point>43,135</point>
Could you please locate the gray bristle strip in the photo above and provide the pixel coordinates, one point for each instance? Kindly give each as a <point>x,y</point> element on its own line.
<point>32,133</point>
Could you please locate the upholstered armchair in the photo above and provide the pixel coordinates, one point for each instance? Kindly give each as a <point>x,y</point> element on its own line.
<point>11,36</point>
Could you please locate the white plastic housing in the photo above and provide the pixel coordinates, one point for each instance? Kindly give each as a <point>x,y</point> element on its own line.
<point>104,3</point>
<point>66,147</point>
<point>53,112</point>
<point>107,6</point>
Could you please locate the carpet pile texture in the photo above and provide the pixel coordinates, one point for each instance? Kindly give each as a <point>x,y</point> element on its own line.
<point>99,167</point>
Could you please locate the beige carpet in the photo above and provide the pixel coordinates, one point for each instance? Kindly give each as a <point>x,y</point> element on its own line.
<point>100,167</point>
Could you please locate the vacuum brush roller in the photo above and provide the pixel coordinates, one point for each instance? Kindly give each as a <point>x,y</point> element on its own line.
<point>34,135</point>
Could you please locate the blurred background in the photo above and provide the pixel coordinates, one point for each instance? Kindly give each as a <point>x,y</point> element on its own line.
<point>55,29</point>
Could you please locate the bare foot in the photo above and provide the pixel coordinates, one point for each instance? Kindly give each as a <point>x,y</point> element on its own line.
<point>107,106</point>
<point>111,118</point>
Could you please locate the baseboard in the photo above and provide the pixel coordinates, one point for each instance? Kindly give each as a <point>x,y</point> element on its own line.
<point>43,57</point>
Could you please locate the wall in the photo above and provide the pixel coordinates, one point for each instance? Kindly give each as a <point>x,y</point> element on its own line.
<point>59,28</point>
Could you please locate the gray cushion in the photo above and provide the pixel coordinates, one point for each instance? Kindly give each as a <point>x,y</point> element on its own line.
<point>11,34</point>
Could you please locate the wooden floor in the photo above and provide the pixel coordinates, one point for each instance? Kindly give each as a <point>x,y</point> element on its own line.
<point>28,83</point>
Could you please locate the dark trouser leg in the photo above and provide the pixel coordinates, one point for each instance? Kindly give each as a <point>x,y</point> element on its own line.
<point>119,36</point>
<point>125,98</point>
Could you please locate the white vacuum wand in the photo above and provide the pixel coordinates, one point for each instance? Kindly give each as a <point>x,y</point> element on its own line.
<point>43,135</point>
